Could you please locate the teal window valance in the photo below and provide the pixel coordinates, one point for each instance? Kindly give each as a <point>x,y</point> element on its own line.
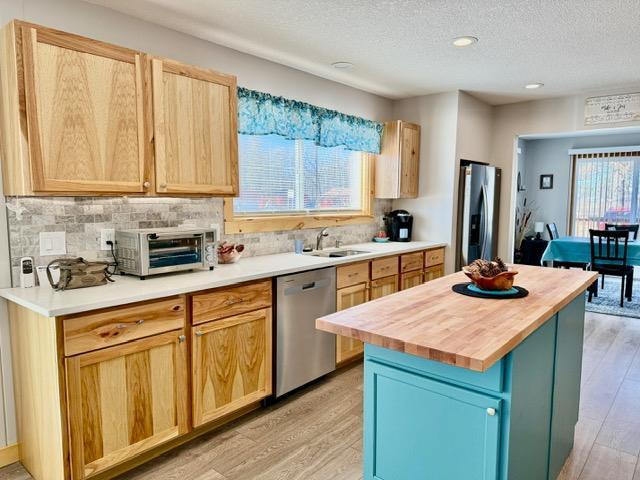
<point>264,114</point>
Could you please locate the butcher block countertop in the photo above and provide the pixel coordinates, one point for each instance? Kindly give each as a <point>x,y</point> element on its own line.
<point>433,322</point>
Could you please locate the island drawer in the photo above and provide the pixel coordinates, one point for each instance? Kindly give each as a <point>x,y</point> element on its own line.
<point>434,257</point>
<point>229,301</point>
<point>411,261</point>
<point>384,267</point>
<point>113,326</point>
<point>352,274</point>
<point>492,379</point>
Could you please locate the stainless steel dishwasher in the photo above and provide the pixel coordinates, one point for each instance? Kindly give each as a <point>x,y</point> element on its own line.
<point>302,352</point>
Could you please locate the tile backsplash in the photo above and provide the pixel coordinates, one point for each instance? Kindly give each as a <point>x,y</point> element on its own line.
<point>82,219</point>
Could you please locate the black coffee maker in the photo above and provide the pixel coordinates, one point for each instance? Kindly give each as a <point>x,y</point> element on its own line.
<point>398,225</point>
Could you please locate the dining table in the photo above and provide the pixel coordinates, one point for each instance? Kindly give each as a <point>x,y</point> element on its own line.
<point>578,249</point>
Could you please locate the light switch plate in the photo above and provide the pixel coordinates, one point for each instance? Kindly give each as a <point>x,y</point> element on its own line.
<point>53,243</point>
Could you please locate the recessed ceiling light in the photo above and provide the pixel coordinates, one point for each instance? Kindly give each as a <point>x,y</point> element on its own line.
<point>464,41</point>
<point>342,65</point>
<point>533,86</point>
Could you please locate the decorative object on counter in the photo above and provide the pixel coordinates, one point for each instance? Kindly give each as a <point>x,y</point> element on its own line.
<point>381,237</point>
<point>264,114</point>
<point>490,275</point>
<point>76,272</point>
<point>229,252</point>
<point>546,182</point>
<point>298,245</point>
<point>471,290</point>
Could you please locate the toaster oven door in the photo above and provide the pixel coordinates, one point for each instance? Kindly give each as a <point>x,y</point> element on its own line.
<point>171,252</point>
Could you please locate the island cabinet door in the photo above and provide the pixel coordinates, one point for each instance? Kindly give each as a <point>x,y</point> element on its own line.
<point>231,364</point>
<point>348,348</point>
<point>126,399</point>
<point>194,118</point>
<point>84,105</point>
<point>416,427</point>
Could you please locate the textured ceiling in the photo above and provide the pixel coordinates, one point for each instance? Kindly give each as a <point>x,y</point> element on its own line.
<point>402,48</point>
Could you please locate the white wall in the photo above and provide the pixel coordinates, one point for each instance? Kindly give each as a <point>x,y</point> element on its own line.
<point>550,156</point>
<point>555,115</point>
<point>433,209</point>
<point>103,24</point>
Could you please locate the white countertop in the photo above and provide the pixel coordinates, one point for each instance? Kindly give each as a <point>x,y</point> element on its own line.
<point>129,289</point>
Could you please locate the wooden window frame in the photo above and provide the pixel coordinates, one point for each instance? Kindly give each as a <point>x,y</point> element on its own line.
<point>234,223</point>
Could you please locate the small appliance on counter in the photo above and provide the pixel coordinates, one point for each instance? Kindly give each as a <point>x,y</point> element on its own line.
<point>27,277</point>
<point>399,224</point>
<point>149,251</point>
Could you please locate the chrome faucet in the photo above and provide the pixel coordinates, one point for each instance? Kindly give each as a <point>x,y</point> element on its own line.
<point>322,233</point>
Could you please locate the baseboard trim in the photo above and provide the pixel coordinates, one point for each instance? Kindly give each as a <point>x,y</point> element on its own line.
<point>9,454</point>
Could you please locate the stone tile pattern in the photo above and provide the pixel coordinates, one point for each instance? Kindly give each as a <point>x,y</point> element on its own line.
<point>82,218</point>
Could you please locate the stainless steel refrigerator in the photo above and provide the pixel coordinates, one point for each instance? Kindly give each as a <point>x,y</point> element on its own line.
<point>478,201</point>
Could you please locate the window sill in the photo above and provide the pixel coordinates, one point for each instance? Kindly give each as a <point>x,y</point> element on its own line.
<point>277,223</point>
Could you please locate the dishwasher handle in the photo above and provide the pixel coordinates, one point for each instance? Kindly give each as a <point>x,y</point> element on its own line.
<point>307,287</point>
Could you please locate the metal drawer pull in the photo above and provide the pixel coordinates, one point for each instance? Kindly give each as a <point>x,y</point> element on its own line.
<point>199,333</point>
<point>232,301</point>
<point>181,338</point>
<point>491,411</point>
<point>121,326</point>
<point>140,322</point>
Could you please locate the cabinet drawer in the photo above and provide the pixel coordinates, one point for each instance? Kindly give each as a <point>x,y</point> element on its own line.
<point>230,301</point>
<point>433,257</point>
<point>113,326</point>
<point>384,267</point>
<point>353,274</point>
<point>411,261</point>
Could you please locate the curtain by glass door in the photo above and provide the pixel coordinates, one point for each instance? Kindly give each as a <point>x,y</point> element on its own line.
<point>605,190</point>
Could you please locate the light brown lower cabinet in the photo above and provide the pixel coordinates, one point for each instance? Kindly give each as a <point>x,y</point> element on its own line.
<point>384,286</point>
<point>410,279</point>
<point>231,364</point>
<point>348,348</point>
<point>431,273</point>
<point>126,399</point>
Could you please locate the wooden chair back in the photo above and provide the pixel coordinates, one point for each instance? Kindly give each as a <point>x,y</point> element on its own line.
<point>609,247</point>
<point>629,227</point>
<point>553,231</point>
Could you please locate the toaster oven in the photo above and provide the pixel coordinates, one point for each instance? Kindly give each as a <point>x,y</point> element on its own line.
<point>144,252</point>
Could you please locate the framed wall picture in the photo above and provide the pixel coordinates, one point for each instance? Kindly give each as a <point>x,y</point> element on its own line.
<point>546,182</point>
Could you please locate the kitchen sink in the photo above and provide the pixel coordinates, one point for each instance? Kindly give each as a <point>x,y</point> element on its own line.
<point>336,253</point>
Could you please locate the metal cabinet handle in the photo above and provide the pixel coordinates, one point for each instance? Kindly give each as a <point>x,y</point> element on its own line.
<point>199,333</point>
<point>140,322</point>
<point>181,338</point>
<point>491,411</point>
<point>233,301</point>
<point>146,184</point>
<point>121,326</point>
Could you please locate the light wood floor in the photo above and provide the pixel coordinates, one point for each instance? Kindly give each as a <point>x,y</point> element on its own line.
<point>316,434</point>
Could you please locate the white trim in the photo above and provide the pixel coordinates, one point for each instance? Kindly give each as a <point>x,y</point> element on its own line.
<point>582,151</point>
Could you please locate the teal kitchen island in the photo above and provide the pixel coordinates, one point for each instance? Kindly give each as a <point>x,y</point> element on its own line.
<point>462,388</point>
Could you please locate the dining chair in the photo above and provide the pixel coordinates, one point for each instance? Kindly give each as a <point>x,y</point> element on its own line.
<point>609,256</point>
<point>552,228</point>
<point>629,227</point>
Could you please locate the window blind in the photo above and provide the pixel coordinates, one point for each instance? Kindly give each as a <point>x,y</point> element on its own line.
<point>605,190</point>
<point>281,176</point>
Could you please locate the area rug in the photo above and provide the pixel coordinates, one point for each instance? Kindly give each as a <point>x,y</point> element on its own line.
<point>608,299</point>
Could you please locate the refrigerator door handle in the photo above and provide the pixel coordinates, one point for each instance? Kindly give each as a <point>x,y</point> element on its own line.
<point>485,218</point>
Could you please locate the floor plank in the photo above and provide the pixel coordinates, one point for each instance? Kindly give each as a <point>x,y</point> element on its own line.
<point>316,433</point>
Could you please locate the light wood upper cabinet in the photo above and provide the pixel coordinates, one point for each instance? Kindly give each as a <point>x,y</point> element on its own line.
<point>73,119</point>
<point>194,122</point>
<point>231,364</point>
<point>126,399</point>
<point>397,166</point>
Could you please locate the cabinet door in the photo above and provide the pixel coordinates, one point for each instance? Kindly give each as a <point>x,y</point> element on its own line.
<point>348,348</point>
<point>412,422</point>
<point>384,286</point>
<point>431,273</point>
<point>124,400</point>
<point>84,105</point>
<point>194,121</point>
<point>409,159</point>
<point>231,364</point>
<point>410,279</point>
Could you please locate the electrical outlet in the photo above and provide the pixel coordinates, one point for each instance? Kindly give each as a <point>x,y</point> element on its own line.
<point>107,235</point>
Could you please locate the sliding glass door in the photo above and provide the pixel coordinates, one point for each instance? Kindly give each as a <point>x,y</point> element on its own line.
<point>605,190</point>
